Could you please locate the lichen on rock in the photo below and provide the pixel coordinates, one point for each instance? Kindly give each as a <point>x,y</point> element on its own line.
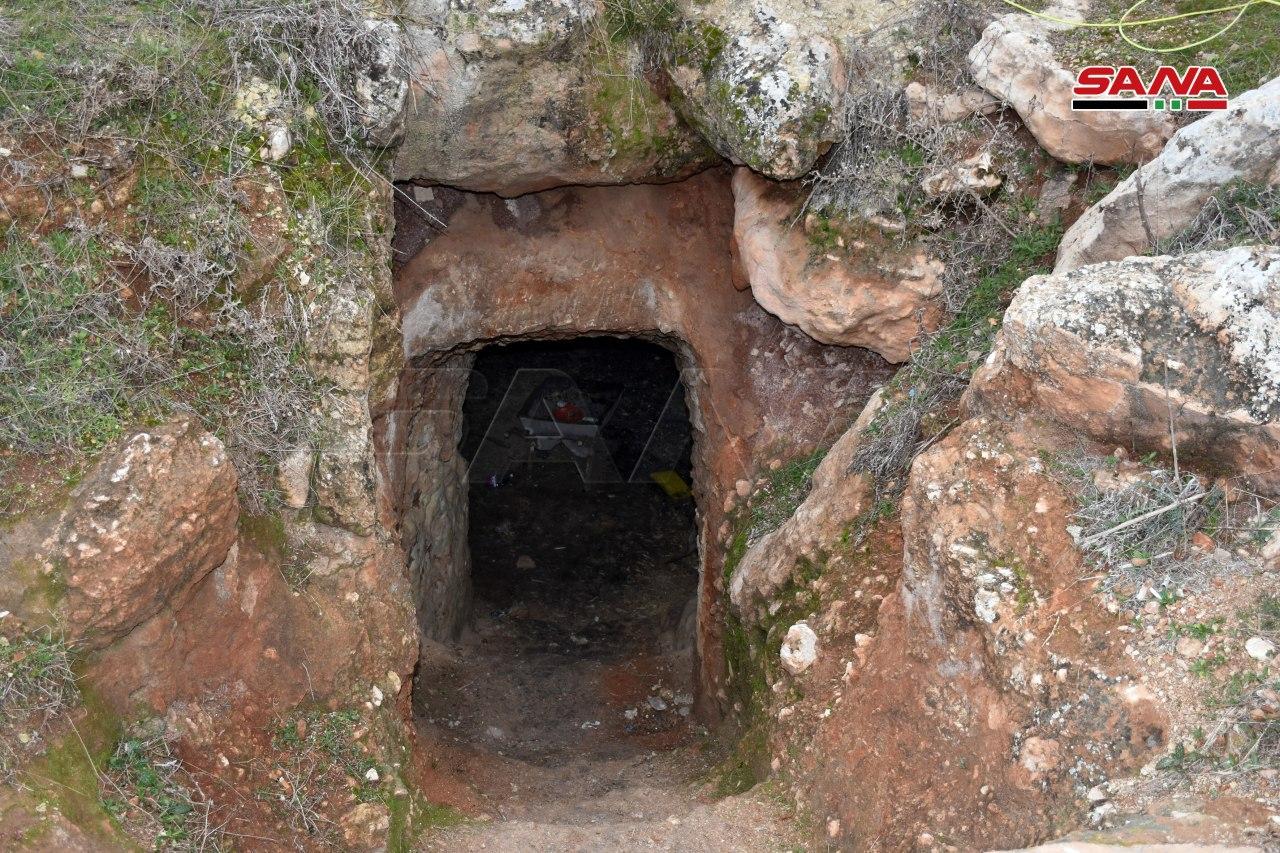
<point>521,96</point>
<point>1121,349</point>
<point>765,82</point>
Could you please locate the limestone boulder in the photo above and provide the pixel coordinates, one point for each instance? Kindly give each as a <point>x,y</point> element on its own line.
<point>764,82</point>
<point>1015,61</point>
<point>866,291</point>
<point>1114,348</point>
<point>381,79</point>
<point>156,515</point>
<point>517,97</point>
<point>835,500</point>
<point>1157,201</point>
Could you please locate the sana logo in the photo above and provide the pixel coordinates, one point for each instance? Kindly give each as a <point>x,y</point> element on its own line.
<point>1106,87</point>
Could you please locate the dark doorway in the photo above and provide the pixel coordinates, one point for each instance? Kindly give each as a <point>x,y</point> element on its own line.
<point>569,445</point>
<point>584,564</point>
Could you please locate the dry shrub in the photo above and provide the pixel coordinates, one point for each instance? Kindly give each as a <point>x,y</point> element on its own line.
<point>1240,213</point>
<point>109,325</point>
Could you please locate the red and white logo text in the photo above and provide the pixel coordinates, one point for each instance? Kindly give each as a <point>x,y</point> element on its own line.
<point>1106,87</point>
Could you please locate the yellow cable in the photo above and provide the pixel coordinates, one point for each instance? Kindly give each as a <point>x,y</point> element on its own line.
<point>1123,22</point>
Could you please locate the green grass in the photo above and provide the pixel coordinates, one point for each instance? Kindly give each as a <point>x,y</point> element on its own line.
<point>770,505</point>
<point>1246,56</point>
<point>85,368</point>
<point>784,490</point>
<point>39,688</point>
<point>147,316</point>
<point>974,326</point>
<point>631,20</point>
<point>412,816</point>
<point>1266,615</point>
<point>1204,667</point>
<point>1197,630</point>
<point>1231,700</point>
<point>57,47</point>
<point>146,777</point>
<point>323,744</point>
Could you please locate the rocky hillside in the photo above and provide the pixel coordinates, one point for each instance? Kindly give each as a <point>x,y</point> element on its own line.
<point>985,395</point>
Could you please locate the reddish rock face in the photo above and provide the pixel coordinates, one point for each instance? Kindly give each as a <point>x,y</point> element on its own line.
<point>991,688</point>
<point>836,499</point>
<point>241,634</point>
<point>855,293</point>
<point>156,515</point>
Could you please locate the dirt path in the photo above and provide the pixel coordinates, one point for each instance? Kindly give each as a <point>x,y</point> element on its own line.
<point>562,720</point>
<point>566,751</point>
<point>640,804</point>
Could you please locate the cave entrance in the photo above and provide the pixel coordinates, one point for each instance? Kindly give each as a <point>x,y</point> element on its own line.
<point>579,643</point>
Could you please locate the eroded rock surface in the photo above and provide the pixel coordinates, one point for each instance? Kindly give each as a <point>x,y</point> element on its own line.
<point>517,97</point>
<point>984,683</point>
<point>1157,201</point>
<point>838,496</point>
<point>857,292</point>
<point>155,516</point>
<point>1116,349</point>
<point>764,82</point>
<point>1015,62</point>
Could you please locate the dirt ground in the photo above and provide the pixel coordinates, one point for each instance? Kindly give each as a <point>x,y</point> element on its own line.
<point>562,718</point>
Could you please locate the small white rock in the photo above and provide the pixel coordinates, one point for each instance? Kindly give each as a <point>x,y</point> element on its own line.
<point>375,696</point>
<point>279,141</point>
<point>371,775</point>
<point>1259,648</point>
<point>799,648</point>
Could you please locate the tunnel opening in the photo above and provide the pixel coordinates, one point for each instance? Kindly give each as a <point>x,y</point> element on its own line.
<point>578,644</point>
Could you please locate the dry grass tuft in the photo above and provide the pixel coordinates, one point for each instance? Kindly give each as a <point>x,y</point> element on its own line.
<point>153,797</point>
<point>108,321</point>
<point>37,687</point>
